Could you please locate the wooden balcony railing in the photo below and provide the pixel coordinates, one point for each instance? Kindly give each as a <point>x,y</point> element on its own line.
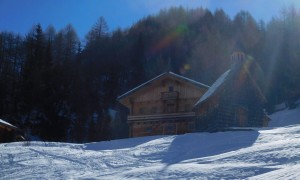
<point>161,116</point>
<point>169,95</point>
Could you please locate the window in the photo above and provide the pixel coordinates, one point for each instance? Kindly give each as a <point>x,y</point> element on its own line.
<point>171,88</point>
<point>149,130</point>
<point>187,107</point>
<point>170,128</point>
<point>154,110</point>
<point>170,108</point>
<point>191,126</point>
<point>241,116</point>
<point>142,111</point>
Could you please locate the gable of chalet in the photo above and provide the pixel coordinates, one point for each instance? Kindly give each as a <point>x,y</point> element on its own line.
<point>214,89</point>
<point>243,72</point>
<point>158,79</point>
<point>233,100</point>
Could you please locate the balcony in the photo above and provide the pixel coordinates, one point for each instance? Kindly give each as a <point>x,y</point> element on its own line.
<point>169,95</point>
<point>161,116</point>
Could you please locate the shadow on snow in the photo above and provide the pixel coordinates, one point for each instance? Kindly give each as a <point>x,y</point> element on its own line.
<point>193,146</point>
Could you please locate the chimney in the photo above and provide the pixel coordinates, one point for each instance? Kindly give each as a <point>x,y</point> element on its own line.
<point>237,59</point>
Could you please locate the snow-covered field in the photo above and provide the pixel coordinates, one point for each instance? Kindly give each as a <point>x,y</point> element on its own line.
<point>270,153</point>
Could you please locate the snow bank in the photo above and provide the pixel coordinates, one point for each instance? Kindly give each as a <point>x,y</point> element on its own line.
<point>271,153</point>
<point>285,117</point>
<point>230,155</point>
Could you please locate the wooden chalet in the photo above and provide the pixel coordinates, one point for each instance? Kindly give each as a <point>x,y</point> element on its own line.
<point>8,132</point>
<point>234,100</point>
<point>163,105</point>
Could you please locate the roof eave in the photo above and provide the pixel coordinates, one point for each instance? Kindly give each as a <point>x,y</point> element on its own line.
<point>198,84</point>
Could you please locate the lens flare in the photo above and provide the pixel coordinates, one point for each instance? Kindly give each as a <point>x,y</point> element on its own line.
<point>244,73</point>
<point>170,38</point>
<point>185,68</point>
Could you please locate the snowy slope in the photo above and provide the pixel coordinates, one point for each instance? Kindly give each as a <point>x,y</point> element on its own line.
<point>271,153</point>
<point>285,117</point>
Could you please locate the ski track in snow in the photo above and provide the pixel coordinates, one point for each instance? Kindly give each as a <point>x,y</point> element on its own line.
<point>268,153</point>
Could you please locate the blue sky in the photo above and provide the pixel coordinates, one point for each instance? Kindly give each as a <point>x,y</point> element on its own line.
<point>20,15</point>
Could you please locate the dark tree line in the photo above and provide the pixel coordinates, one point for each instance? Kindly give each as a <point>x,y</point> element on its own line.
<point>55,88</point>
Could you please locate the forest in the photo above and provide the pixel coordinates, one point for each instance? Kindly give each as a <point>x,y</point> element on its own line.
<point>56,87</point>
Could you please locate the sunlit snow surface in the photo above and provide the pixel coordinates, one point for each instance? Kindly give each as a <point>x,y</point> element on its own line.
<point>270,153</point>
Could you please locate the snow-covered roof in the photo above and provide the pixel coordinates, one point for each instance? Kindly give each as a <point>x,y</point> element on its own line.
<point>7,124</point>
<point>160,76</point>
<point>214,87</point>
<point>189,80</point>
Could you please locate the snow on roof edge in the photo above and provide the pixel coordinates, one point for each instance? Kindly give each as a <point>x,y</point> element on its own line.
<point>138,87</point>
<point>157,77</point>
<point>189,80</point>
<point>213,87</point>
<point>6,123</point>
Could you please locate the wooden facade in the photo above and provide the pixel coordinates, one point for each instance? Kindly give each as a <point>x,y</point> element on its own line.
<point>234,100</point>
<point>162,105</point>
<point>173,104</point>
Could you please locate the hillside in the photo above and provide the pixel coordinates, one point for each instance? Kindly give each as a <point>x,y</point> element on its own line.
<point>52,79</point>
<point>270,153</point>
